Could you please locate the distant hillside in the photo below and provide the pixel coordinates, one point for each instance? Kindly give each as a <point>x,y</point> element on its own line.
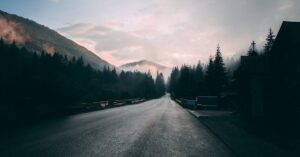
<point>145,66</point>
<point>38,38</point>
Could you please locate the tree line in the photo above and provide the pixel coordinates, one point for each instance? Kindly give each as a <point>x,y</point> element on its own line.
<point>213,78</point>
<point>191,81</point>
<point>55,79</point>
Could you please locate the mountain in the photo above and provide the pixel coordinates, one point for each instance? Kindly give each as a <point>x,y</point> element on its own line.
<point>145,66</point>
<point>38,38</point>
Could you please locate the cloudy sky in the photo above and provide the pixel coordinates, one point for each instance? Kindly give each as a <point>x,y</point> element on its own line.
<point>170,32</point>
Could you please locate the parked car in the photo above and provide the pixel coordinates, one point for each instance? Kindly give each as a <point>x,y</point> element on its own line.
<point>207,102</point>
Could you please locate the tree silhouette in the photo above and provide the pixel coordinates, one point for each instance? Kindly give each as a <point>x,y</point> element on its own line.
<point>32,79</point>
<point>199,87</point>
<point>192,81</point>
<point>160,84</point>
<point>219,72</point>
<point>269,42</point>
<point>173,82</point>
<point>210,76</point>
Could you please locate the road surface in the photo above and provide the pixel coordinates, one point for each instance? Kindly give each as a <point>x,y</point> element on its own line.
<point>157,127</point>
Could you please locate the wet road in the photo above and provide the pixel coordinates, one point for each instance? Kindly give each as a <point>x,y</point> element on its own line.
<point>158,127</point>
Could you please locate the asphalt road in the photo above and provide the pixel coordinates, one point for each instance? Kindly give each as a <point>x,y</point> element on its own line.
<point>158,127</point>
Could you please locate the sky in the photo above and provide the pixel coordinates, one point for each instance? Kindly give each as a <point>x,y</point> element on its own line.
<point>169,32</point>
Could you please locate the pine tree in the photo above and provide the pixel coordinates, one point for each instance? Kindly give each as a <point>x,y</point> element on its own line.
<point>185,82</point>
<point>210,76</point>
<point>269,41</point>
<point>173,82</point>
<point>220,72</point>
<point>160,84</point>
<point>199,80</point>
<point>216,76</point>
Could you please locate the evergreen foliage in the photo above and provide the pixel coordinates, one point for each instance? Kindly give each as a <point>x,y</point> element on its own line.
<point>269,41</point>
<point>209,77</point>
<point>220,76</point>
<point>54,79</point>
<point>189,82</point>
<point>160,84</point>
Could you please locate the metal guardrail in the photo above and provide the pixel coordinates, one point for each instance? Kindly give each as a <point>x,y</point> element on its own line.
<point>110,104</point>
<point>188,103</point>
<point>95,105</point>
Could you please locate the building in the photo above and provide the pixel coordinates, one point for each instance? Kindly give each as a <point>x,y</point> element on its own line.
<point>269,84</point>
<point>284,68</point>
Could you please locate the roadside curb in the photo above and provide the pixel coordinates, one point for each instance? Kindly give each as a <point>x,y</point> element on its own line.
<point>207,127</point>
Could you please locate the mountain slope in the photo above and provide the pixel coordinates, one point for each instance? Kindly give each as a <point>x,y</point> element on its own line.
<point>38,38</point>
<point>145,66</point>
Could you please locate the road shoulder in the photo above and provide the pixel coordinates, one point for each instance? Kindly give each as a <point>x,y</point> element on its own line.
<point>238,140</point>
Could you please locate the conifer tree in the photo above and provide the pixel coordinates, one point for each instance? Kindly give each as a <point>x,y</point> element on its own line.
<point>173,82</point>
<point>220,72</point>
<point>210,76</point>
<point>216,75</point>
<point>199,86</point>
<point>160,84</point>
<point>269,41</point>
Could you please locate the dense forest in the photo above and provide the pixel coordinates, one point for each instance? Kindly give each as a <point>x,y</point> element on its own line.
<point>213,78</point>
<point>192,81</point>
<point>55,79</point>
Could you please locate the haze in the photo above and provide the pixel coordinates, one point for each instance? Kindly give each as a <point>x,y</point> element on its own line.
<point>169,32</point>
